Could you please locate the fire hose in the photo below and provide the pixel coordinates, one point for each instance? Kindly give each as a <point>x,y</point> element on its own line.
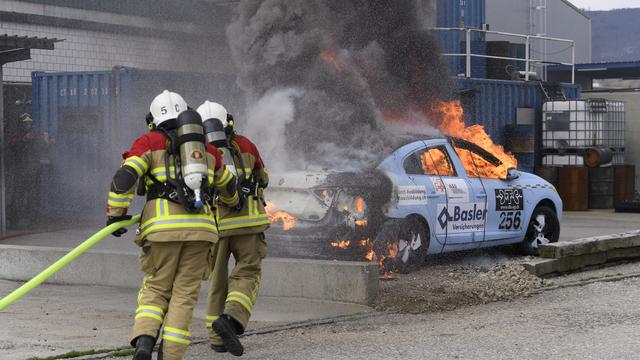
<point>64,261</point>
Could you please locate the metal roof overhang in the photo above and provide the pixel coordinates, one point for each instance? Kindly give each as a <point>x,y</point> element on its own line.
<point>18,48</point>
<point>603,70</point>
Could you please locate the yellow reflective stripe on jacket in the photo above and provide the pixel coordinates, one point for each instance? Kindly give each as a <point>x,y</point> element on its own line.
<point>230,200</point>
<point>169,222</point>
<point>246,172</point>
<point>225,178</point>
<point>153,312</point>
<point>138,164</point>
<point>176,335</point>
<point>210,319</point>
<point>160,173</point>
<point>211,176</point>
<point>243,221</point>
<point>162,207</point>
<point>242,299</point>
<point>119,200</point>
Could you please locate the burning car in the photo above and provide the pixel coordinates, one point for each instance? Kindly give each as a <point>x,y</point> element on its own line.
<point>427,196</point>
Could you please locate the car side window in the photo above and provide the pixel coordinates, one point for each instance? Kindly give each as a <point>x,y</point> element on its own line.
<point>432,162</point>
<point>476,166</point>
<point>413,164</point>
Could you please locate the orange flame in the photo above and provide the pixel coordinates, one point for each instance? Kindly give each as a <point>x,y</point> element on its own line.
<point>361,222</point>
<point>360,204</point>
<point>287,220</point>
<point>391,252</point>
<point>342,244</point>
<point>370,255</point>
<point>331,57</point>
<point>452,124</point>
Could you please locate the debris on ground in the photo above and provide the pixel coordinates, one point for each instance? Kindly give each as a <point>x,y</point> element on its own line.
<point>448,287</point>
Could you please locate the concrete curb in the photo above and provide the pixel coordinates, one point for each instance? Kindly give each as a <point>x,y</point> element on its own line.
<point>591,245</point>
<point>566,256</point>
<point>342,281</point>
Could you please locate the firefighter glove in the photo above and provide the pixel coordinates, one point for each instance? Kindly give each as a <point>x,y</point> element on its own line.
<point>115,219</point>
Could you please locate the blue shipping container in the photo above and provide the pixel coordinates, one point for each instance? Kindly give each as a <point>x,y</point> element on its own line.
<point>494,103</point>
<point>460,14</point>
<point>93,116</point>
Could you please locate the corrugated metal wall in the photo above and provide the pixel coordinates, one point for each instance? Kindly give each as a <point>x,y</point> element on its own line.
<point>74,108</point>
<point>95,116</point>
<point>494,104</point>
<point>460,13</point>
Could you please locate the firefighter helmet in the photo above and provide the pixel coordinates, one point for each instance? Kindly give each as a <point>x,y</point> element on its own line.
<point>212,110</point>
<point>167,106</point>
<point>214,120</point>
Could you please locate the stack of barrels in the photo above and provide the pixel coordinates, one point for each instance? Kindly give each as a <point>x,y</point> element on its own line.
<point>582,188</point>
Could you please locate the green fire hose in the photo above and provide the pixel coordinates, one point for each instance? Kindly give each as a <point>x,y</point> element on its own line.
<point>64,261</point>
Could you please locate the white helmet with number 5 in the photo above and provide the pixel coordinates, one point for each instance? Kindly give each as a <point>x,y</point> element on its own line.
<point>167,106</point>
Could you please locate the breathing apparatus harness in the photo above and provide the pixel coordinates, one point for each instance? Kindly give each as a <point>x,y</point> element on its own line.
<point>176,189</point>
<point>247,186</point>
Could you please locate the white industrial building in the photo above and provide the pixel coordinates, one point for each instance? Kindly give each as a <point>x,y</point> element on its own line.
<point>550,18</point>
<point>97,35</point>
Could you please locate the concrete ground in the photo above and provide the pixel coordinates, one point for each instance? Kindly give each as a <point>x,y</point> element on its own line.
<point>56,319</point>
<point>582,224</point>
<point>595,321</point>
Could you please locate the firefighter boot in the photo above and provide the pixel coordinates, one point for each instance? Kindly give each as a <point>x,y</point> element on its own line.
<point>144,347</point>
<point>219,348</point>
<point>225,327</point>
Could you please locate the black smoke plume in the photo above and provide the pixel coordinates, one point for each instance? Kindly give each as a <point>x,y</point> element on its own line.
<point>350,68</point>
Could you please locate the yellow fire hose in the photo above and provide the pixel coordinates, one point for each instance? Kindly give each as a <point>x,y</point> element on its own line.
<point>64,261</point>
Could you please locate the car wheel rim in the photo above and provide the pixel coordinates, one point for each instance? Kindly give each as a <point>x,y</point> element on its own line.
<point>406,247</point>
<point>541,229</point>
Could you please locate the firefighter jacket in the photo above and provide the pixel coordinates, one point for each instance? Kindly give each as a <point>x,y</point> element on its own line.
<point>252,218</point>
<point>163,220</point>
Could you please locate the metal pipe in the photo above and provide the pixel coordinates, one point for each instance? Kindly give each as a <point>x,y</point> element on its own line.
<point>573,62</point>
<point>504,34</point>
<point>468,46</point>
<point>527,55</point>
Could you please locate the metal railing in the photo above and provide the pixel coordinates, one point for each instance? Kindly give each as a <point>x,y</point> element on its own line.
<point>527,59</point>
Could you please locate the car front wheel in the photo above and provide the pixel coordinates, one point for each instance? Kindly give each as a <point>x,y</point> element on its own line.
<point>401,245</point>
<point>544,228</point>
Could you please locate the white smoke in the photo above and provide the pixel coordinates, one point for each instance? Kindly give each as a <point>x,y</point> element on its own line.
<point>267,121</point>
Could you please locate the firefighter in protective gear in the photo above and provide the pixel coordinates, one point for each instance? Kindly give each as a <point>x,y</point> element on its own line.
<point>175,243</point>
<point>231,297</point>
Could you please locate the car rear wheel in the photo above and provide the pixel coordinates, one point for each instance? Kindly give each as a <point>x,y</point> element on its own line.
<point>401,245</point>
<point>544,228</point>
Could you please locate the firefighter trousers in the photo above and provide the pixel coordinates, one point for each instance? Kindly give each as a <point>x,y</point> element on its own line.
<point>173,274</point>
<point>235,294</point>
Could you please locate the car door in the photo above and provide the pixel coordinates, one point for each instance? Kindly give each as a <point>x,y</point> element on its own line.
<point>424,177</point>
<point>464,217</point>
<point>504,203</point>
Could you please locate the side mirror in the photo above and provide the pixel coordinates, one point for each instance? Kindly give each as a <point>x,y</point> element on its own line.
<point>512,174</point>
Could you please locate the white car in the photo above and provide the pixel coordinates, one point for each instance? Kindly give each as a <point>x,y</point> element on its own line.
<point>421,199</point>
